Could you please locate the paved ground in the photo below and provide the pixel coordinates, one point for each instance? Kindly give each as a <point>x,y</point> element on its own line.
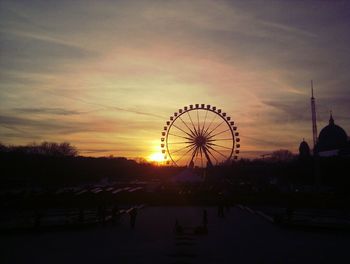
<point>240,237</point>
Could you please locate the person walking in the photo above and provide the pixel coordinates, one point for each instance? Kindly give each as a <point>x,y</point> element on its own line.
<point>205,218</point>
<point>115,214</point>
<point>178,228</point>
<point>133,214</point>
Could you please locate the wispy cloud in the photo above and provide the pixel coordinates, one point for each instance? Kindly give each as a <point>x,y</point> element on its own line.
<point>43,126</point>
<point>46,110</point>
<point>293,111</point>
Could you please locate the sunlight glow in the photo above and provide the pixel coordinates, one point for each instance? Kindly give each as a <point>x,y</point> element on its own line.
<point>156,157</point>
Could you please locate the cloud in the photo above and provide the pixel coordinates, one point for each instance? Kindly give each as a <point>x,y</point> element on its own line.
<point>27,54</point>
<point>43,126</point>
<point>109,107</point>
<point>293,111</point>
<point>69,124</point>
<point>46,110</point>
<point>110,150</point>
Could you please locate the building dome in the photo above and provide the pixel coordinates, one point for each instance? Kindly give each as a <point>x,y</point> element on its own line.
<point>331,137</point>
<point>304,149</point>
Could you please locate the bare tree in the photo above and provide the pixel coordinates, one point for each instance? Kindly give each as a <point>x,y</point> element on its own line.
<point>45,148</point>
<point>282,155</point>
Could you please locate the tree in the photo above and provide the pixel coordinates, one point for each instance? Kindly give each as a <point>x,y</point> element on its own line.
<point>3,148</point>
<point>66,149</point>
<point>45,148</point>
<point>282,155</point>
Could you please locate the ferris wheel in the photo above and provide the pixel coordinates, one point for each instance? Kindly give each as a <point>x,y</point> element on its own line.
<point>199,136</point>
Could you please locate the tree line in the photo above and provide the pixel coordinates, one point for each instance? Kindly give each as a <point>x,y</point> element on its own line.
<point>64,149</point>
<point>50,164</point>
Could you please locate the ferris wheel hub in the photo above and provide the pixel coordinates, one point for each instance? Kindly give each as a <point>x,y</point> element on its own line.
<point>200,141</point>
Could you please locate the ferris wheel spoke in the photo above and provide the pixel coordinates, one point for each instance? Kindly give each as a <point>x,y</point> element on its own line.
<point>179,136</point>
<point>215,128</point>
<point>217,151</point>
<point>206,151</point>
<point>194,156</point>
<point>182,142</point>
<point>205,132</point>
<point>200,150</point>
<point>182,130</point>
<point>188,146</point>
<point>219,133</point>
<point>197,154</point>
<point>192,123</point>
<point>205,118</point>
<point>219,139</point>
<point>213,144</point>
<point>185,154</point>
<point>193,134</point>
<point>198,125</point>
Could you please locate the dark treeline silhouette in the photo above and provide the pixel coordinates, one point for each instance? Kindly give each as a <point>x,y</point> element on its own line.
<point>53,165</point>
<point>63,149</point>
<point>293,171</point>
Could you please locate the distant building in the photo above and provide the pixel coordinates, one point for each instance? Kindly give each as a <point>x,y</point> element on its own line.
<point>304,150</point>
<point>332,140</point>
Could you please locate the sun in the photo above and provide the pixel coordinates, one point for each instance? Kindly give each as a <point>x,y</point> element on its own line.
<point>156,157</point>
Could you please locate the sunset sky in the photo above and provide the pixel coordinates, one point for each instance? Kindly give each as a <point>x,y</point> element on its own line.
<point>106,75</point>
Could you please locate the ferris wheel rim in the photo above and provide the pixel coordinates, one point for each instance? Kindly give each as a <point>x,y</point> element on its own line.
<point>217,112</point>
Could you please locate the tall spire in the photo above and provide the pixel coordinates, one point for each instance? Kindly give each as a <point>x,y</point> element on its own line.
<point>313,114</point>
<point>331,120</point>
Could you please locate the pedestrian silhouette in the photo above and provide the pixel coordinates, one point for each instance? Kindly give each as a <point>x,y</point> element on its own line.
<point>178,228</point>
<point>133,214</point>
<point>115,214</point>
<point>221,206</point>
<point>205,218</point>
<point>221,210</point>
<point>289,213</point>
<point>81,215</point>
<point>37,219</point>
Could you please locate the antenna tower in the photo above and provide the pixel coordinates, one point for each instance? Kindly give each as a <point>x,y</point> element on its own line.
<point>313,112</point>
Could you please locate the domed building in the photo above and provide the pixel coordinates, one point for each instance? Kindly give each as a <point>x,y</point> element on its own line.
<point>304,149</point>
<point>331,139</point>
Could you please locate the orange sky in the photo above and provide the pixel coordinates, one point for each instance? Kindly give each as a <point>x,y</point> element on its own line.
<point>106,75</point>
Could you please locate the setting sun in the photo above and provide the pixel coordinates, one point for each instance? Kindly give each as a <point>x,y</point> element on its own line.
<point>157,157</point>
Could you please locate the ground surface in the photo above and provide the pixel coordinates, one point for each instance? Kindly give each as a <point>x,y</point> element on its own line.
<point>239,237</point>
